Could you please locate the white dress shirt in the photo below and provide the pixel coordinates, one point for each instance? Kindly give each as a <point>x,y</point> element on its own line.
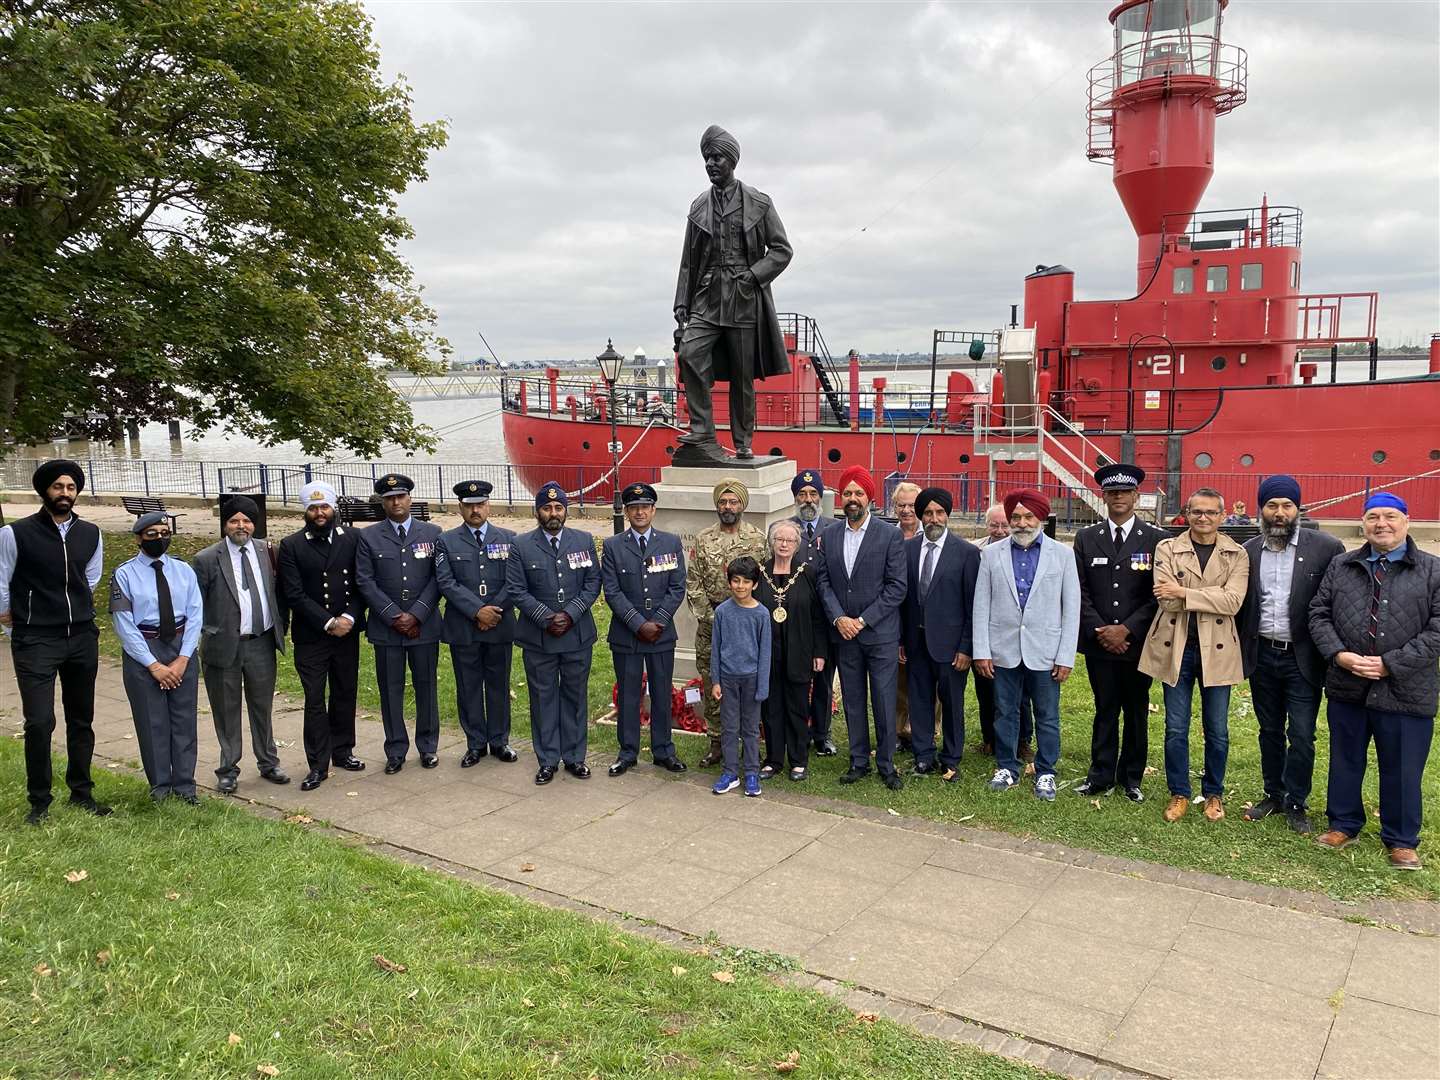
<point>854,537</point>
<point>10,554</point>
<point>236,554</point>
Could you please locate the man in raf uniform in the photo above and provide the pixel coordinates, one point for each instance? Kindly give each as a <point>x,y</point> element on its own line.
<point>707,586</point>
<point>554,579</point>
<point>809,491</point>
<point>643,573</point>
<point>317,580</point>
<point>1116,562</point>
<point>471,566</point>
<point>395,569</point>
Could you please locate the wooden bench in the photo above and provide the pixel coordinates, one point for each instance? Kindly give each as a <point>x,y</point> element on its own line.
<point>354,509</point>
<point>140,504</point>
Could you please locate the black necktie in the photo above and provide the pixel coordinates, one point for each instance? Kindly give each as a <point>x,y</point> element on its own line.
<point>810,532</point>
<point>166,622</point>
<point>400,533</point>
<point>555,545</point>
<point>1119,537</point>
<point>640,539</point>
<point>479,538</point>
<point>247,582</point>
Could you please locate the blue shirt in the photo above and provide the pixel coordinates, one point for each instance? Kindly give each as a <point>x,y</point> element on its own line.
<point>134,603</point>
<point>740,645</point>
<point>1025,561</point>
<point>1391,556</point>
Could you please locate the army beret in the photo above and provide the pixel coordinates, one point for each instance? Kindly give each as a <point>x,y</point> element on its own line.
<point>638,495</point>
<point>551,492</point>
<point>473,491</point>
<point>394,484</point>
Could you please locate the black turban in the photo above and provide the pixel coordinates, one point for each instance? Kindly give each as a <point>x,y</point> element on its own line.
<point>932,495</point>
<point>718,138</point>
<point>241,504</point>
<point>51,471</point>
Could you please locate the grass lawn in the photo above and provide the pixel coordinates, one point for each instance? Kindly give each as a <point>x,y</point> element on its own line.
<point>211,943</point>
<point>1267,852</point>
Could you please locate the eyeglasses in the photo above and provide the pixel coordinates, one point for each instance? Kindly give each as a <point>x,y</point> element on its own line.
<point>1203,513</point>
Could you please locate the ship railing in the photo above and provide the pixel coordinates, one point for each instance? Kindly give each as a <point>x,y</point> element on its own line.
<point>1013,431</point>
<point>972,495</point>
<point>1226,319</point>
<point>1326,494</point>
<point>1242,227</point>
<point>809,340</point>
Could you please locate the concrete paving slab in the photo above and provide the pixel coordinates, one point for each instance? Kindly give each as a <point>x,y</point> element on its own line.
<point>393,827</point>
<point>551,875</point>
<point>612,843</point>
<point>748,930</point>
<point>1272,923</point>
<point>660,889</point>
<point>479,848</point>
<point>1027,870</point>
<point>1397,969</point>
<point>1371,1039</point>
<point>861,865</point>
<point>915,964</point>
<point>457,804</point>
<point>1141,913</point>
<point>736,847</point>
<point>810,899</point>
<point>1029,1011</point>
<point>979,908</point>
<point>776,815</point>
<point>1315,969</point>
<point>863,840</point>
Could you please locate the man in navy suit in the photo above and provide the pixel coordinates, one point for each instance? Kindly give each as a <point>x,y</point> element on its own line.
<point>643,573</point>
<point>862,585</point>
<point>479,625</point>
<point>395,570</point>
<point>554,579</point>
<point>941,570</point>
<point>808,488</point>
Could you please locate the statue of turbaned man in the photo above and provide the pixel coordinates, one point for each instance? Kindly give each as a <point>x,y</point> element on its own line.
<point>735,246</point>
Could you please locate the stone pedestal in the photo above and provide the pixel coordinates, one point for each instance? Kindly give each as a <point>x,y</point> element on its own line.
<point>686,506</point>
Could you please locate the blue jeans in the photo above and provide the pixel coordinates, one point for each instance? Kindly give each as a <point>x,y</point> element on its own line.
<point>1011,685</point>
<point>1285,703</point>
<point>1214,719</point>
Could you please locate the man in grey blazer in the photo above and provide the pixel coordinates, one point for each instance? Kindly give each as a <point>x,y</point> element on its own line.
<point>554,577</point>
<point>1027,628</point>
<point>862,584</point>
<point>479,623</point>
<point>643,574</point>
<point>242,631</point>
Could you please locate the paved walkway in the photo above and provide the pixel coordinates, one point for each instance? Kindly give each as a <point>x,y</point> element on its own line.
<point>1100,969</point>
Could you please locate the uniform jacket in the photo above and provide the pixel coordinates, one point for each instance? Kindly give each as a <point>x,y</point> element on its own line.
<point>1409,640</point>
<point>471,577</point>
<point>1116,587</point>
<point>874,591</point>
<point>1047,632</point>
<point>705,586</point>
<point>805,633</point>
<point>1313,552</point>
<point>822,525</point>
<point>642,590</point>
<point>941,625</point>
<point>220,633</point>
<point>541,585</point>
<point>317,581</point>
<point>768,252</point>
<point>394,579</point>
<point>1214,596</point>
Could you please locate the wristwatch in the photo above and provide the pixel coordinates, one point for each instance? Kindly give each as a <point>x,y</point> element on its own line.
<point>861,621</point>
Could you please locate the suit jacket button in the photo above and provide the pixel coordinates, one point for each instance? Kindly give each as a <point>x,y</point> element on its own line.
<point>1167,644</point>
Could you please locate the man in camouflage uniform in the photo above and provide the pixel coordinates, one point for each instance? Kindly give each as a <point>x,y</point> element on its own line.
<point>706,586</point>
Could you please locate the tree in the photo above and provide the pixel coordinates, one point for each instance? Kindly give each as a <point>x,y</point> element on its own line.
<point>198,221</point>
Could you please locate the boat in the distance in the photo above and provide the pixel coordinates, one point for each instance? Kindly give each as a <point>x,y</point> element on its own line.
<point>1219,371</point>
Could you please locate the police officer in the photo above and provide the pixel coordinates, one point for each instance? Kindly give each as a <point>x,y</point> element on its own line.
<point>707,587</point>
<point>554,578</point>
<point>317,579</point>
<point>157,611</point>
<point>395,569</point>
<point>471,565</point>
<point>643,573</point>
<point>1116,562</point>
<point>808,488</point>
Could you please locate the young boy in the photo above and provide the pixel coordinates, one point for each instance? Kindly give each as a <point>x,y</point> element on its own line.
<point>740,666</point>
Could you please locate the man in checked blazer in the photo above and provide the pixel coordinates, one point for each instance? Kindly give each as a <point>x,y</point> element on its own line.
<point>643,572</point>
<point>554,578</point>
<point>862,585</point>
<point>1027,625</point>
<point>471,568</point>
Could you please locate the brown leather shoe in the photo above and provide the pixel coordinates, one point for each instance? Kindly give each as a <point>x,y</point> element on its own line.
<point>1175,808</point>
<point>1214,808</point>
<point>1335,839</point>
<point>1404,858</point>
<point>713,756</point>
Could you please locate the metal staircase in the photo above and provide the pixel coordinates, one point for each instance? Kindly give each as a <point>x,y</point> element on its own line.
<point>1029,433</point>
<point>810,341</point>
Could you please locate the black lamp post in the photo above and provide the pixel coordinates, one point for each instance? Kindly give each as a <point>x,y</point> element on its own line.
<point>610,363</point>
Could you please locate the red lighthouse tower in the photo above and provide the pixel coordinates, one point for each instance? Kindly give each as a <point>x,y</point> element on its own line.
<point>1152,112</point>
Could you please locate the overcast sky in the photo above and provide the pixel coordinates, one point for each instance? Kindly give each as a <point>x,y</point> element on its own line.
<point>923,157</point>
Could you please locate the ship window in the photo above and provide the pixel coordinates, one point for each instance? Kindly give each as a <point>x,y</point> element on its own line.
<point>1203,460</point>
<point>530,439</point>
<point>1247,460</point>
<point>1378,457</point>
<point>1435,455</point>
<point>833,454</point>
<point>1295,275</point>
<point>585,445</point>
<point>900,456</point>
<point>1217,278</point>
<point>1251,275</point>
<point>965,458</point>
<point>1184,280</point>
<point>775,451</point>
<point>1218,364</point>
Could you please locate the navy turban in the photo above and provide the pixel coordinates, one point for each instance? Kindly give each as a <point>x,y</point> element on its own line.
<point>1279,487</point>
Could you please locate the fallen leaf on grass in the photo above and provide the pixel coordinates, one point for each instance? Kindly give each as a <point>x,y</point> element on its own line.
<point>1095,803</point>
<point>790,1064</point>
<point>867,1018</point>
<point>723,976</point>
<point>233,1039</point>
<point>677,971</point>
<point>389,965</point>
<point>76,876</point>
<point>892,813</point>
<point>1029,768</point>
<point>267,1070</point>
<point>527,1003</point>
<point>671,1031</point>
<point>1153,708</point>
<point>172,896</point>
<point>43,969</point>
<point>527,867</point>
<point>299,819</point>
<point>102,957</point>
<point>1151,770</point>
<point>967,817</point>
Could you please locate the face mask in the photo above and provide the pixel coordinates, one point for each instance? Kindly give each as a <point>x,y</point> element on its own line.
<point>155,548</point>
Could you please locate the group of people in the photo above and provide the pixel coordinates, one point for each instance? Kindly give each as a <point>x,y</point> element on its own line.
<point>903,613</point>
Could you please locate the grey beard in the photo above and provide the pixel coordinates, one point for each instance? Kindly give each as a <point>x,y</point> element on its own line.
<point>934,532</point>
<point>1278,537</point>
<point>1024,537</point>
<point>807,512</point>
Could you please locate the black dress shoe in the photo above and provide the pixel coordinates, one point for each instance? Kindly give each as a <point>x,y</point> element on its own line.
<point>190,799</point>
<point>429,761</point>
<point>852,774</point>
<point>925,768</point>
<point>904,744</point>
<point>276,776</point>
<point>825,748</point>
<point>672,764</point>
<point>545,775</point>
<point>893,781</point>
<point>471,758</point>
<point>1085,787</point>
<point>394,765</point>
<point>744,453</point>
<point>580,771</point>
<point>226,785</point>
<point>620,768</point>
<point>350,764</point>
<point>313,779</point>
<point>505,754</point>
<point>36,816</point>
<point>90,806</point>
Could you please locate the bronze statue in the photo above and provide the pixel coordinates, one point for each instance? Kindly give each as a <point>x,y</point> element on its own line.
<point>735,247</point>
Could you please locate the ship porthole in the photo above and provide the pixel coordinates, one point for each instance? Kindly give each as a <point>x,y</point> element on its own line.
<point>1247,460</point>
<point>833,454</point>
<point>1378,457</point>
<point>530,439</point>
<point>585,445</point>
<point>900,456</point>
<point>670,450</point>
<point>965,458</point>
<point>1203,460</point>
<point>1435,455</point>
<point>776,451</point>
<point>1218,363</point>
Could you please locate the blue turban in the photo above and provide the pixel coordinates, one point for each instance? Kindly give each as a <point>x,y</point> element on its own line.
<point>551,492</point>
<point>1385,499</point>
<point>807,478</point>
<point>718,138</point>
<point>1279,486</point>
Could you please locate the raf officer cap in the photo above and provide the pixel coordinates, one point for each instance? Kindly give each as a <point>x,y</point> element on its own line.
<point>1119,477</point>
<point>394,484</point>
<point>637,494</point>
<point>144,521</point>
<point>472,491</point>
